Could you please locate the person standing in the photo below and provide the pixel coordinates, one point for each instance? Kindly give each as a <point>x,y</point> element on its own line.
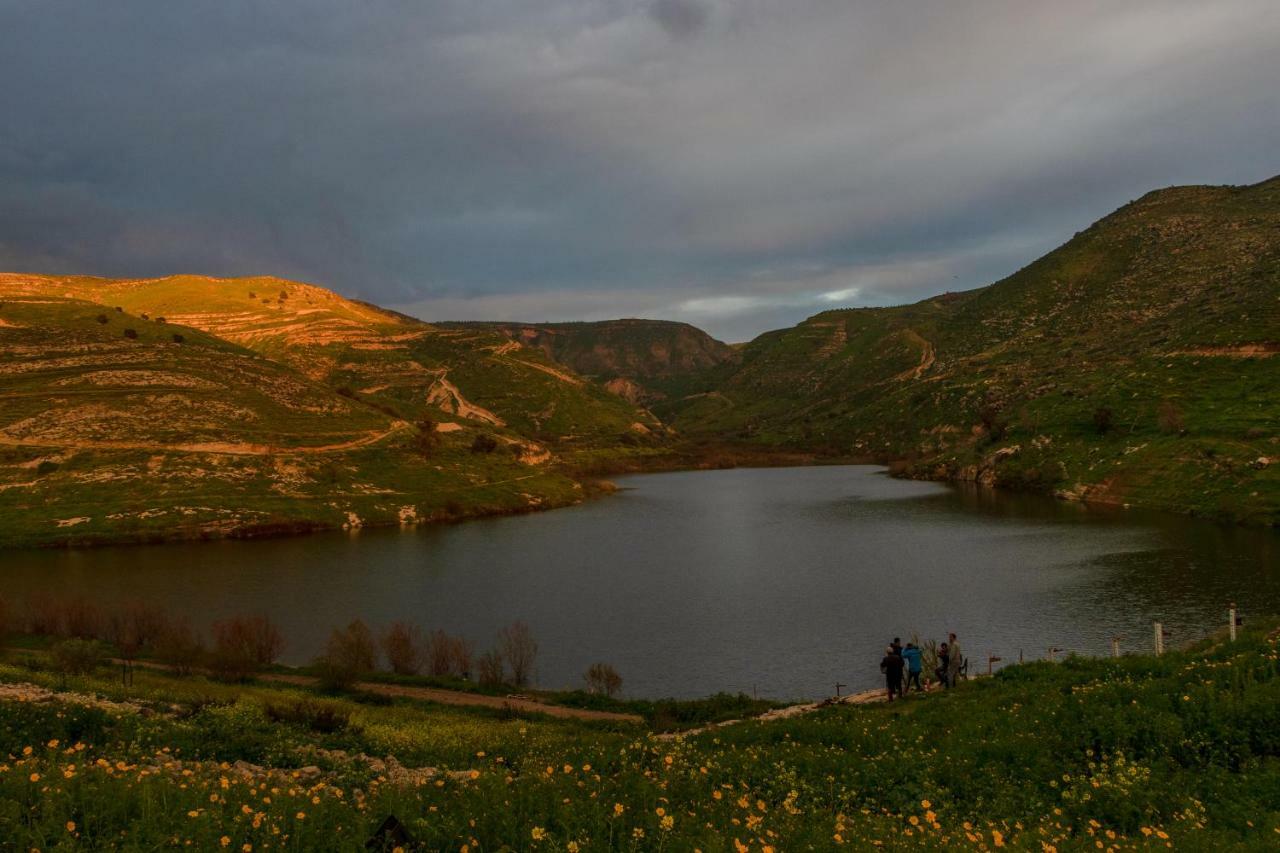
<point>955,660</point>
<point>891,666</point>
<point>944,664</point>
<point>914,661</point>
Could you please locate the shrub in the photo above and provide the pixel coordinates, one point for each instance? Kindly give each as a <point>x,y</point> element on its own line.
<point>136,625</point>
<point>427,437</point>
<point>320,717</point>
<point>1169,418</point>
<point>102,318</point>
<point>180,648</point>
<point>350,655</point>
<point>489,668</point>
<point>46,466</point>
<point>603,679</point>
<point>519,650</point>
<point>131,334</point>
<point>484,443</point>
<point>460,657</point>
<point>400,645</point>
<point>81,618</point>
<point>178,339</point>
<point>1102,420</point>
<point>243,645</point>
<point>995,425</point>
<point>44,617</point>
<point>76,656</point>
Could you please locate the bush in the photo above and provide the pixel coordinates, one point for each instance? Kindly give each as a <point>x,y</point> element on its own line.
<point>400,645</point>
<point>427,438</point>
<point>134,626</point>
<point>1102,420</point>
<point>131,334</point>
<point>180,648</point>
<point>1169,418</point>
<point>519,650</point>
<point>102,318</point>
<point>178,339</point>
<point>447,655</point>
<point>484,443</point>
<point>243,645</point>
<point>76,656</point>
<point>81,618</point>
<point>489,668</point>
<point>46,466</point>
<point>603,679</point>
<point>350,655</point>
<point>320,717</point>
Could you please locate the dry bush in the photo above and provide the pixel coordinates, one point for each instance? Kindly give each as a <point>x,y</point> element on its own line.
<point>264,639</point>
<point>447,655</point>
<point>44,615</point>
<point>76,656</point>
<point>134,626</point>
<point>350,655</point>
<point>400,645</point>
<point>489,668</point>
<point>519,650</point>
<point>81,618</point>
<point>460,657</point>
<point>180,648</point>
<point>603,679</point>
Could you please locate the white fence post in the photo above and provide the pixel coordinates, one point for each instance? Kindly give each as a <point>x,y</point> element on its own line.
<point>1231,622</point>
<point>1159,638</point>
<point>1115,647</point>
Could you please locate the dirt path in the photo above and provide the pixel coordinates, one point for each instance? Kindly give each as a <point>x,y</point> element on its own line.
<point>447,397</point>
<point>867,697</point>
<point>426,694</point>
<point>927,356</point>
<point>458,697</point>
<point>215,447</point>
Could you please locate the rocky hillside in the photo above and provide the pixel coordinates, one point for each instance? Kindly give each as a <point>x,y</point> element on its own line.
<point>1135,364</point>
<point>644,361</point>
<point>200,407</point>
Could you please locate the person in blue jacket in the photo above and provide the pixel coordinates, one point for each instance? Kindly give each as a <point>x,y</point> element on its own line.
<point>914,661</point>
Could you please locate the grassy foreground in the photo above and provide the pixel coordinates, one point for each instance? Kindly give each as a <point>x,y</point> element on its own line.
<point>1138,753</point>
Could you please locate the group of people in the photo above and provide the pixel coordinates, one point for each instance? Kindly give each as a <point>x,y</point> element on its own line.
<point>902,666</point>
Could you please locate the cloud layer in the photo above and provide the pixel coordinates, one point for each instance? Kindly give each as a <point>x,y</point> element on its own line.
<point>739,164</point>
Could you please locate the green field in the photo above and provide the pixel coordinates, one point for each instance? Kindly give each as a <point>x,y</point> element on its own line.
<point>1145,753</point>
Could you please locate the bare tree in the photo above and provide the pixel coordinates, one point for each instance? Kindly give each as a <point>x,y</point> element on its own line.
<point>519,649</point>
<point>400,645</point>
<point>603,679</point>
<point>350,655</point>
<point>180,648</point>
<point>489,667</point>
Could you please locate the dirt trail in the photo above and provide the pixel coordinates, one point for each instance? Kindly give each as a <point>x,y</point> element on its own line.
<point>447,397</point>
<point>215,447</point>
<point>550,371</point>
<point>427,694</point>
<point>867,697</point>
<point>927,356</point>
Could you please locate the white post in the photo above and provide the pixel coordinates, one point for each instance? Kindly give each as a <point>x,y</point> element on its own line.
<point>1159,639</point>
<point>1231,622</point>
<point>1115,647</point>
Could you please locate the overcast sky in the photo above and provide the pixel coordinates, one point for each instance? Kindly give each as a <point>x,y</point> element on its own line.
<point>738,164</point>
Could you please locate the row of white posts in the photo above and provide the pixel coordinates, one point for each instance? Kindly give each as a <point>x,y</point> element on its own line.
<point>1232,622</point>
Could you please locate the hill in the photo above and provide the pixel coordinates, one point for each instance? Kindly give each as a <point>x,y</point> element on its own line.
<point>644,361</point>
<point>1137,753</point>
<point>200,407</point>
<point>1135,364</point>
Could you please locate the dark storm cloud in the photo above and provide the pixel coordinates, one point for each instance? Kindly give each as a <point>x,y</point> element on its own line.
<point>736,164</point>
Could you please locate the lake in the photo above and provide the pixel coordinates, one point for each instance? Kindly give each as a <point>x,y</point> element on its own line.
<point>777,581</point>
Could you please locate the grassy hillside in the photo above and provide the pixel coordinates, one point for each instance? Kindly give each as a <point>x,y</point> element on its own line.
<point>178,407</point>
<point>644,361</point>
<point>1139,753</point>
<point>1135,364</point>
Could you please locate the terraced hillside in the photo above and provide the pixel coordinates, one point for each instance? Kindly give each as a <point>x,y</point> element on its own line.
<point>204,407</point>
<point>1135,364</point>
<point>643,361</point>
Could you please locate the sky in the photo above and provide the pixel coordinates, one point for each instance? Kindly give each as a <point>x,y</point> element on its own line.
<point>735,164</point>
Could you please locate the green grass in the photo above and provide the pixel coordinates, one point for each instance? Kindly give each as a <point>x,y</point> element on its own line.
<point>1136,753</point>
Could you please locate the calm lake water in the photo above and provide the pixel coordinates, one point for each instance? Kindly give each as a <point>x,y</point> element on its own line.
<point>781,581</point>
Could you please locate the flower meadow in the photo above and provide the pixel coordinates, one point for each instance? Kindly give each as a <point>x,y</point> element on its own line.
<point>1140,753</point>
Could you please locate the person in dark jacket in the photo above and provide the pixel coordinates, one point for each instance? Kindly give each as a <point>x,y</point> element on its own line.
<point>891,666</point>
<point>944,664</point>
<point>914,660</point>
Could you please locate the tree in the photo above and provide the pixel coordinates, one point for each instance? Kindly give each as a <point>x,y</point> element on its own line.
<point>1102,420</point>
<point>603,679</point>
<point>489,667</point>
<point>180,648</point>
<point>484,444</point>
<point>400,645</point>
<point>519,650</point>
<point>1169,418</point>
<point>427,437</point>
<point>995,425</point>
<point>350,655</point>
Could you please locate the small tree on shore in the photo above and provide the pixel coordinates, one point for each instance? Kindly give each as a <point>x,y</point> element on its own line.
<point>489,668</point>
<point>400,646</point>
<point>350,655</point>
<point>180,648</point>
<point>603,679</point>
<point>519,650</point>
